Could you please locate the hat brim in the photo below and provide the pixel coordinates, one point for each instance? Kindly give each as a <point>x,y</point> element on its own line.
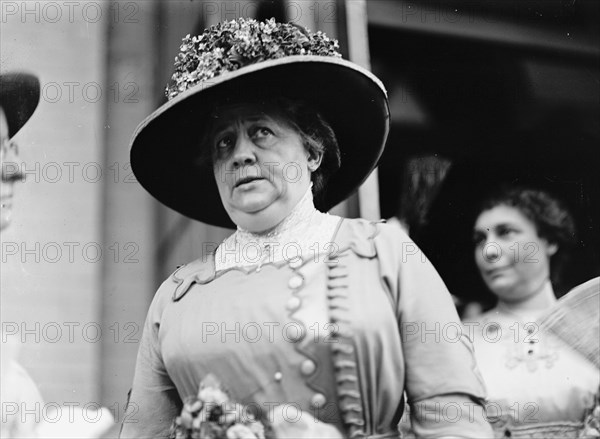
<point>19,97</point>
<point>166,145</point>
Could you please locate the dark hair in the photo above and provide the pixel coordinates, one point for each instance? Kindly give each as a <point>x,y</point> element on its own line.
<point>552,219</point>
<point>317,137</point>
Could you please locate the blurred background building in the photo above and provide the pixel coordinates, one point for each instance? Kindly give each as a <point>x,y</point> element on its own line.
<point>480,92</point>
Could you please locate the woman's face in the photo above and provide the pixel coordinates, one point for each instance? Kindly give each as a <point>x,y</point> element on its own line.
<point>261,166</point>
<point>513,260</point>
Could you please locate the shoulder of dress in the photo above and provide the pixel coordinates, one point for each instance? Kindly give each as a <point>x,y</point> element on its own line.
<point>395,230</point>
<point>199,271</point>
<point>203,266</point>
<point>367,237</point>
<point>357,234</point>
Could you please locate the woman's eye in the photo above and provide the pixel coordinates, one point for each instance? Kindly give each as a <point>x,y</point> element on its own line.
<point>506,231</point>
<point>261,132</point>
<point>224,142</point>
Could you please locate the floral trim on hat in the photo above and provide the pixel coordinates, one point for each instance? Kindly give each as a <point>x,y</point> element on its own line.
<point>233,44</point>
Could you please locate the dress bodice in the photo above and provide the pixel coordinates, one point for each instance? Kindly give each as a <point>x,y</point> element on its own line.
<point>532,377</point>
<point>276,336</point>
<point>325,334</point>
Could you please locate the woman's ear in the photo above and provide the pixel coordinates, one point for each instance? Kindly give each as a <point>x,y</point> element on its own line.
<point>314,160</point>
<point>552,248</point>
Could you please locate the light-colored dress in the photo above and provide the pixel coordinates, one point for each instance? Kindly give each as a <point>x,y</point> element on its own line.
<point>340,334</point>
<point>536,384</point>
<point>21,404</point>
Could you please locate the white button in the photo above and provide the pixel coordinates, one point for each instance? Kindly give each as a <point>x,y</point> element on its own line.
<point>308,367</point>
<point>295,282</point>
<point>293,303</point>
<point>318,400</point>
<point>278,376</point>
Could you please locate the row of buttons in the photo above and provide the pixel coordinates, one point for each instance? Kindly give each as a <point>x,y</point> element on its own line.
<point>308,367</point>
<point>318,400</point>
<point>294,302</point>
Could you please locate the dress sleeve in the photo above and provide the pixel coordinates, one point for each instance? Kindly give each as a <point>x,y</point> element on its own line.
<point>153,401</point>
<point>444,388</point>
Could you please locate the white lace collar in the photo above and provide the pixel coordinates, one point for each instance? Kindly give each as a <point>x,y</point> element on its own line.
<point>304,233</point>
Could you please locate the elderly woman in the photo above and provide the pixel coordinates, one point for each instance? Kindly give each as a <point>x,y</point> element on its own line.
<point>266,128</point>
<point>536,384</point>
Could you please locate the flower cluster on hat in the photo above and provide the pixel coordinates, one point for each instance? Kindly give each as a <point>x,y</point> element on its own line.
<point>233,44</point>
<point>212,415</point>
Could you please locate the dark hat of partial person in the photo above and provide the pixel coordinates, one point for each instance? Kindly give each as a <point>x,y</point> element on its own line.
<point>19,97</point>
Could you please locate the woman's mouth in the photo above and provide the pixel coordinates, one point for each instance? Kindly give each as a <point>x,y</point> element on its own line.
<point>247,180</point>
<point>497,271</point>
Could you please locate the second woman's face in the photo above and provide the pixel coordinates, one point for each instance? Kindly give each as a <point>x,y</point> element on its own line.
<point>261,167</point>
<point>513,260</point>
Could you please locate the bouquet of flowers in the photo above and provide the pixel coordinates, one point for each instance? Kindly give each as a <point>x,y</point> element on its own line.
<point>212,415</point>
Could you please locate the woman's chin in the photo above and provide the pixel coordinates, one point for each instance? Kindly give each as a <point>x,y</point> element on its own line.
<point>253,205</point>
<point>257,215</point>
<point>501,287</point>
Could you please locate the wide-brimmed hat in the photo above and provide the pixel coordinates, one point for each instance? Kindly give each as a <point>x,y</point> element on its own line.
<point>19,97</point>
<point>246,60</point>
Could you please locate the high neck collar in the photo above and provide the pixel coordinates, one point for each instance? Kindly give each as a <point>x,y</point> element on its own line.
<point>301,213</point>
<point>305,232</point>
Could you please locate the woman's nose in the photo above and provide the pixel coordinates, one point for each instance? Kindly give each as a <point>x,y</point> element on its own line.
<point>491,251</point>
<point>244,152</point>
